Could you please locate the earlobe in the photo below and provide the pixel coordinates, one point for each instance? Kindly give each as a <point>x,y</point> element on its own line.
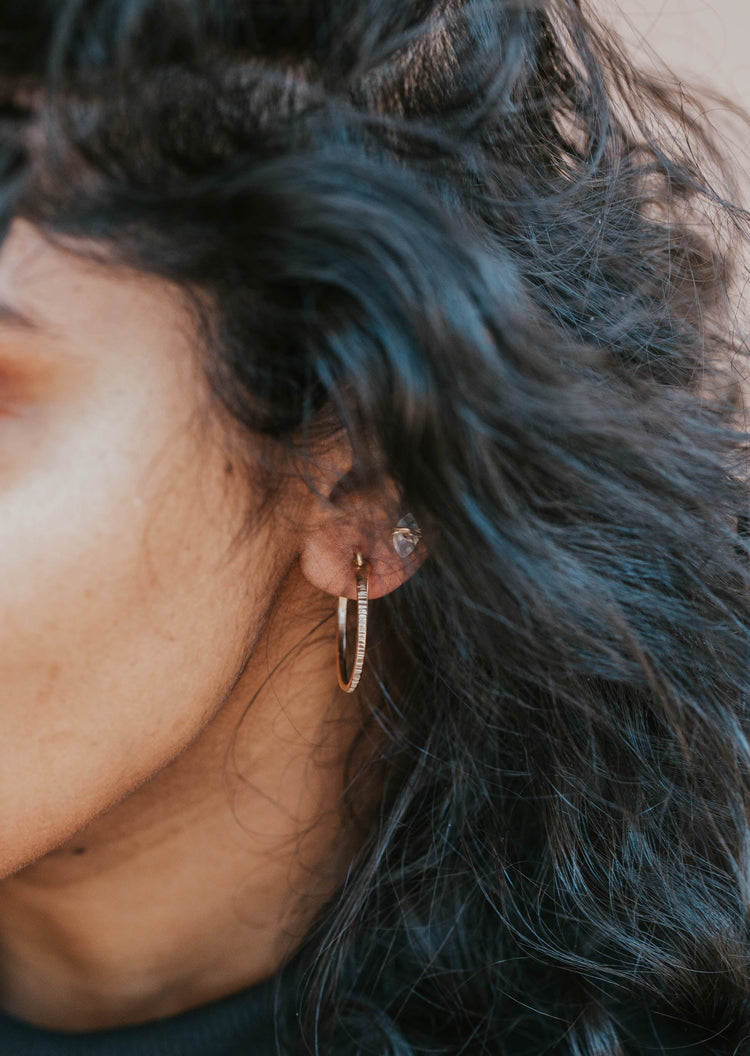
<point>391,554</point>
<point>342,516</point>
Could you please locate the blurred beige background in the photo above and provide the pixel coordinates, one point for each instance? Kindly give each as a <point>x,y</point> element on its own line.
<point>703,42</point>
<point>704,39</point>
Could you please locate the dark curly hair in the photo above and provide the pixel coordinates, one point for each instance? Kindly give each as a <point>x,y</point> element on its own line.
<point>474,236</point>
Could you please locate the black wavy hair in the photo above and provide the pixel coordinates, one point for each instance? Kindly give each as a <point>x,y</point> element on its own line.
<point>476,237</point>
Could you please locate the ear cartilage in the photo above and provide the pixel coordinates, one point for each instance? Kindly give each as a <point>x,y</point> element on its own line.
<point>406,536</point>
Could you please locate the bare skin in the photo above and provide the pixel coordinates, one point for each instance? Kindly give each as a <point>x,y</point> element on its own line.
<point>198,883</point>
<point>162,843</point>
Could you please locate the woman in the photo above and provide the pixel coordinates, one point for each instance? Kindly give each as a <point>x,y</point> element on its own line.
<point>418,313</point>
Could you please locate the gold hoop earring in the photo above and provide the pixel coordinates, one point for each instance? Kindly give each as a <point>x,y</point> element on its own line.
<point>350,684</point>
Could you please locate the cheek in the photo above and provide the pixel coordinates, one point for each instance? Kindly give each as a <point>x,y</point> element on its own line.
<point>125,615</point>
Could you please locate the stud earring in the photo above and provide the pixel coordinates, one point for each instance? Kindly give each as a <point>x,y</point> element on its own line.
<point>349,683</point>
<point>406,536</point>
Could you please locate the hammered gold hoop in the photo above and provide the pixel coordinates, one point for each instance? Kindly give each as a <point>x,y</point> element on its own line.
<point>350,684</point>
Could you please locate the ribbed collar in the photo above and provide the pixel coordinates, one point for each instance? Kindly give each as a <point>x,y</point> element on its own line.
<point>240,1025</point>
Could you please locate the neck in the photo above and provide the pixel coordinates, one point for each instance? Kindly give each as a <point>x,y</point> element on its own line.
<point>204,880</point>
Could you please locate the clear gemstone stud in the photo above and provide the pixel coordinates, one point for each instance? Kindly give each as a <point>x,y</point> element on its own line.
<point>406,535</point>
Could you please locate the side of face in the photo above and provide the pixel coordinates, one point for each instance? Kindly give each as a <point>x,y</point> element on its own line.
<point>126,609</point>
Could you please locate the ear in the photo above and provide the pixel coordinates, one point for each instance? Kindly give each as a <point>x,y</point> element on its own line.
<point>340,519</point>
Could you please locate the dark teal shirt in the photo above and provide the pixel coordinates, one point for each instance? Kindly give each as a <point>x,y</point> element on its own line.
<point>241,1025</point>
